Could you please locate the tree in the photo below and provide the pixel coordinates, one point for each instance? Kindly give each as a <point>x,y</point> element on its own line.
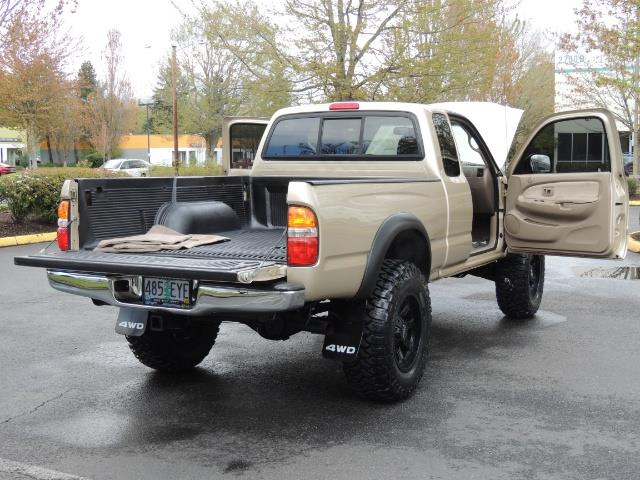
<point>338,44</point>
<point>66,124</point>
<point>609,30</point>
<point>111,108</point>
<point>226,67</point>
<point>32,80</point>
<point>87,80</point>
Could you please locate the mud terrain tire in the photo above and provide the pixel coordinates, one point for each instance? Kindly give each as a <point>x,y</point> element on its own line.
<point>394,346</point>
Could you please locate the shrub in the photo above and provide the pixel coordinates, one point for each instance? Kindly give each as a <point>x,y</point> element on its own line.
<point>632,182</point>
<point>93,159</point>
<point>186,171</point>
<point>36,193</point>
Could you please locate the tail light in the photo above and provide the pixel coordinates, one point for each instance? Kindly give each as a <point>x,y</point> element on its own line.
<point>64,225</point>
<point>302,237</point>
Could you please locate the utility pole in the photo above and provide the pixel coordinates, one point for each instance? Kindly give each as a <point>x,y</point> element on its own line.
<point>147,103</point>
<point>174,74</point>
<point>636,109</point>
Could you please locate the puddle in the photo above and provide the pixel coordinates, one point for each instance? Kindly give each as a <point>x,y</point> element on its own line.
<point>619,273</point>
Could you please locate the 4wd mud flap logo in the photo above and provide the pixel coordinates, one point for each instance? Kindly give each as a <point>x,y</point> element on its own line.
<point>131,325</point>
<point>345,349</point>
<point>340,347</point>
<point>131,322</point>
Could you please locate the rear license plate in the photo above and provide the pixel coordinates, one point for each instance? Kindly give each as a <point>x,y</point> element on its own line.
<point>167,292</point>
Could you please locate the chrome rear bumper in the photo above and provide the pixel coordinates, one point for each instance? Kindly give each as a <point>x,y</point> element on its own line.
<point>208,298</point>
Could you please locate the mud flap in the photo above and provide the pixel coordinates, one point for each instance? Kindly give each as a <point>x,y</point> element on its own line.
<point>342,341</point>
<point>131,322</point>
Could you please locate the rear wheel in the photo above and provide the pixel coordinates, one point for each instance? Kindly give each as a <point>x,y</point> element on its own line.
<point>396,322</point>
<point>175,350</point>
<point>519,284</point>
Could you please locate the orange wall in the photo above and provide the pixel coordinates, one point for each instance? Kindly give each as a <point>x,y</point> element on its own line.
<point>140,141</point>
<point>161,141</point>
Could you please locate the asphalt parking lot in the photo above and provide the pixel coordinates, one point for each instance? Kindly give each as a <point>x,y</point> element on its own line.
<point>554,397</point>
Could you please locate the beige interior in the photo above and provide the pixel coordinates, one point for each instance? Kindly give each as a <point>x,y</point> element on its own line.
<point>482,190</point>
<point>568,213</point>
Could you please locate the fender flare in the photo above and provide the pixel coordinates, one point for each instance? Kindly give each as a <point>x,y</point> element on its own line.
<point>384,237</point>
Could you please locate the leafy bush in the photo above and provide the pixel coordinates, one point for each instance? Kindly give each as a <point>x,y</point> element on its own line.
<point>36,193</point>
<point>186,171</point>
<point>93,160</point>
<point>632,182</point>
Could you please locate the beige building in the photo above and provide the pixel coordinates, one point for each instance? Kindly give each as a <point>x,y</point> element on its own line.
<point>11,145</point>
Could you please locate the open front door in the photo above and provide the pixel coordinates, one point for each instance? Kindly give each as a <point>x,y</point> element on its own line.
<point>567,193</point>
<point>240,139</point>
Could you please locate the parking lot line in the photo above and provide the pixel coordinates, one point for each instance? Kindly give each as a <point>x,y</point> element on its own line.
<point>32,471</point>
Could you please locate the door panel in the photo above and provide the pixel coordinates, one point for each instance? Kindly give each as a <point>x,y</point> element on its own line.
<point>566,192</point>
<point>560,215</point>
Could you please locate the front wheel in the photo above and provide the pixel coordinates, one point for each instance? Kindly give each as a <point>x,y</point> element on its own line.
<point>519,284</point>
<point>396,322</point>
<point>175,350</point>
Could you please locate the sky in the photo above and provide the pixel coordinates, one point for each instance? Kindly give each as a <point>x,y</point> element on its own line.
<point>146,26</point>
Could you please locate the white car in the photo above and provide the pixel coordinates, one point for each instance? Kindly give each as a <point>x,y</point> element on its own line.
<point>130,166</point>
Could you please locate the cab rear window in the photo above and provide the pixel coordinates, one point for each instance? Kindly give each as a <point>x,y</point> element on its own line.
<point>365,136</point>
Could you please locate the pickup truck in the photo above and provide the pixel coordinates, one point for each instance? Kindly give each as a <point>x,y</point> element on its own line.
<point>347,213</point>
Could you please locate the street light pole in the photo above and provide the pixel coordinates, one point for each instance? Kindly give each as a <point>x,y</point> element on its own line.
<point>174,68</point>
<point>148,137</point>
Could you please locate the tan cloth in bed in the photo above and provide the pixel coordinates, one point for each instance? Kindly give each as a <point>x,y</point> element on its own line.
<point>157,238</point>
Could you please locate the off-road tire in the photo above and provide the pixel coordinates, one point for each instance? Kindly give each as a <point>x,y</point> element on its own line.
<point>175,350</point>
<point>519,283</point>
<point>379,373</point>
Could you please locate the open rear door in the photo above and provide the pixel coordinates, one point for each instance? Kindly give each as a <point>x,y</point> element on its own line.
<point>240,139</point>
<point>567,192</point>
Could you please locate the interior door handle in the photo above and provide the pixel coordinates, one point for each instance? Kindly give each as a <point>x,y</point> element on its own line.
<point>567,209</point>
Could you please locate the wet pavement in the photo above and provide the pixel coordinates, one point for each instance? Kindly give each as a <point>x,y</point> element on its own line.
<point>554,397</point>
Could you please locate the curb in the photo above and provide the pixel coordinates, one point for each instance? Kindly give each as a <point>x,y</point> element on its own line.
<point>633,245</point>
<point>634,203</point>
<point>27,239</point>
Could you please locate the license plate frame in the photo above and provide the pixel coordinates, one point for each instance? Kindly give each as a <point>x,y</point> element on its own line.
<point>167,292</point>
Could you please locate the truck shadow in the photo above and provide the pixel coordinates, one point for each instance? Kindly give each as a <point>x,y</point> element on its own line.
<point>286,405</point>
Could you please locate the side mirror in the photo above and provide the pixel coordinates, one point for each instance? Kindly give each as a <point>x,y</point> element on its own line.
<point>540,163</point>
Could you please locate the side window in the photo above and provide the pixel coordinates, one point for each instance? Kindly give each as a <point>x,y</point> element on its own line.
<point>567,146</point>
<point>244,139</point>
<point>447,145</point>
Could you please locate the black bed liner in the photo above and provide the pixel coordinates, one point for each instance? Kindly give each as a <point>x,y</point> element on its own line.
<point>245,244</point>
<point>246,250</point>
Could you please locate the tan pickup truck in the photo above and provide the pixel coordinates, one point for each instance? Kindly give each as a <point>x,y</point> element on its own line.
<point>337,216</point>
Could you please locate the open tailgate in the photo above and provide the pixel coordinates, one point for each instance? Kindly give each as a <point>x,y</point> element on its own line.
<point>210,269</point>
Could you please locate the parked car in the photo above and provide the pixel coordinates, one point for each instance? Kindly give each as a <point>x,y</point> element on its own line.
<point>130,166</point>
<point>6,169</point>
<point>628,163</point>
